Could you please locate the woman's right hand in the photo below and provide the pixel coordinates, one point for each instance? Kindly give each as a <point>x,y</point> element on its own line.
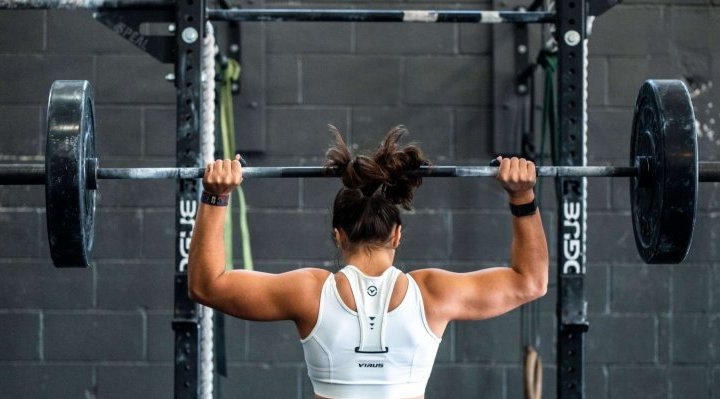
<point>222,176</point>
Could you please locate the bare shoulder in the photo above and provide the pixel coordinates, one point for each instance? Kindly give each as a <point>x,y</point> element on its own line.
<point>308,277</point>
<point>426,278</point>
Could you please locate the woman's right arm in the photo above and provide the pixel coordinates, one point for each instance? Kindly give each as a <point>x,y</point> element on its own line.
<point>491,292</point>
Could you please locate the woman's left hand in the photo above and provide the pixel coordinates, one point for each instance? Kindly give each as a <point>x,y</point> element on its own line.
<point>222,176</point>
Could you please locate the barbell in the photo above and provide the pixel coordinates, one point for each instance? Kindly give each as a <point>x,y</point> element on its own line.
<point>663,171</point>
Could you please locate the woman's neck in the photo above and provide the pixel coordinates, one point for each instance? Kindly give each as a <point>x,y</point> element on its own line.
<point>372,262</point>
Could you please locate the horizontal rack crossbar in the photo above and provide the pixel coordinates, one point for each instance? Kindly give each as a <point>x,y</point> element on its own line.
<point>329,15</point>
<point>299,14</point>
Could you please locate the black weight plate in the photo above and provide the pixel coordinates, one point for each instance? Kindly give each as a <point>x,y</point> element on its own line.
<point>664,204</point>
<point>70,204</point>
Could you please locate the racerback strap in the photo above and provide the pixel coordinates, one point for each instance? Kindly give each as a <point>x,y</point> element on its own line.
<point>372,298</point>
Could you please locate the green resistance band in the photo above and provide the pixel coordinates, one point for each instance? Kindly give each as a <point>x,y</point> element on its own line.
<point>227,128</point>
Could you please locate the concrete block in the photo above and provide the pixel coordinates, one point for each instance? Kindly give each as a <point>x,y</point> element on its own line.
<point>150,282</point>
<point>715,382</point>
<point>685,32</point>
<point>274,342</point>
<point>641,289</point>
<point>283,78</point>
<point>118,234</point>
<point>694,339</point>
<point>310,138</point>
<point>425,236</point>
<point>480,236</point>
<point>95,336</point>
<point>628,73</point>
<point>236,339</point>
<point>319,193</point>
<point>138,193</point>
<point>428,127</point>
<point>136,381</point>
<point>515,381</point>
<point>119,131</point>
<point>473,134</point>
<point>26,28</point>
<point>630,31</point>
<point>271,380</point>
<point>22,196</point>
<point>466,381</point>
<point>704,245</point>
<point>448,80</point>
<point>269,193</point>
<point>461,194</point>
<point>23,130</point>
<point>22,228</point>
<point>597,80</point>
<point>621,339</point>
<point>599,194</point>
<point>715,287</point>
<point>77,32</point>
<point>609,135</point>
<point>475,38</point>
<point>38,285</point>
<point>160,124</point>
<point>148,85</point>
<point>500,336</point>
<point>610,238</point>
<point>394,38</point>
<point>293,231</point>
<point>691,288</point>
<point>160,337</point>
<point>44,69</point>
<point>596,382</point>
<point>313,37</point>
<point>158,235</point>
<point>689,382</point>
<point>638,382</point>
<point>32,381</point>
<point>598,290</point>
<point>351,80</point>
<point>20,338</point>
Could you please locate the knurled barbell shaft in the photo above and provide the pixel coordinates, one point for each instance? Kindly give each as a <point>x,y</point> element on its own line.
<point>14,174</point>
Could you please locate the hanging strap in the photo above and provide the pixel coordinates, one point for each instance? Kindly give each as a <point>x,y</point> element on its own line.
<point>372,298</point>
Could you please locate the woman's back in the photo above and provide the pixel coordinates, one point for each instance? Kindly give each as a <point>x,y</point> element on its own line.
<point>358,349</point>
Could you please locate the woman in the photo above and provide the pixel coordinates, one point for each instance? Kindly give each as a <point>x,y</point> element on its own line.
<point>370,331</point>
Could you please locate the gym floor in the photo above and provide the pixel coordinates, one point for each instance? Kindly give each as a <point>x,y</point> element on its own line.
<point>105,332</point>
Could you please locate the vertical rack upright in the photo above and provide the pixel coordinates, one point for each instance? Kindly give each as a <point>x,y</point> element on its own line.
<point>189,27</point>
<point>571,192</point>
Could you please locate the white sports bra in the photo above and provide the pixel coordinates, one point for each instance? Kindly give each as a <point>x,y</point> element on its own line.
<point>371,353</point>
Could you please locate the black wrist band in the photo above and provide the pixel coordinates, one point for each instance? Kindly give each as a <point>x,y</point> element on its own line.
<point>524,209</point>
<point>214,199</point>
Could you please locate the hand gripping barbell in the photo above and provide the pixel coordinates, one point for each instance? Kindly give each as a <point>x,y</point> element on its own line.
<point>664,172</point>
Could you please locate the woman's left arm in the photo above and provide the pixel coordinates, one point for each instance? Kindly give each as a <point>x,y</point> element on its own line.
<point>242,293</point>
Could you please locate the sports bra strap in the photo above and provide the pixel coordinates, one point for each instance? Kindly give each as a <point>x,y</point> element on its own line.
<point>372,299</point>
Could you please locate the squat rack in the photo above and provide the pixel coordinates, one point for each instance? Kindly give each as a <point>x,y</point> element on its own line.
<point>184,50</point>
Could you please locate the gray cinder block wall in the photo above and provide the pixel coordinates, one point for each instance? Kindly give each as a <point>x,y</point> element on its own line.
<point>105,332</point>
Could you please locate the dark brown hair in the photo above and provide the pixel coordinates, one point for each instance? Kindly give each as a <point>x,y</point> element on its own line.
<point>365,209</point>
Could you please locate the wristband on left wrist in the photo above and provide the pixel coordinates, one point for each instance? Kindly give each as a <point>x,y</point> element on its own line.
<point>214,199</point>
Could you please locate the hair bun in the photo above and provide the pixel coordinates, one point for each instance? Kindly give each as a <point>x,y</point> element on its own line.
<point>385,172</point>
